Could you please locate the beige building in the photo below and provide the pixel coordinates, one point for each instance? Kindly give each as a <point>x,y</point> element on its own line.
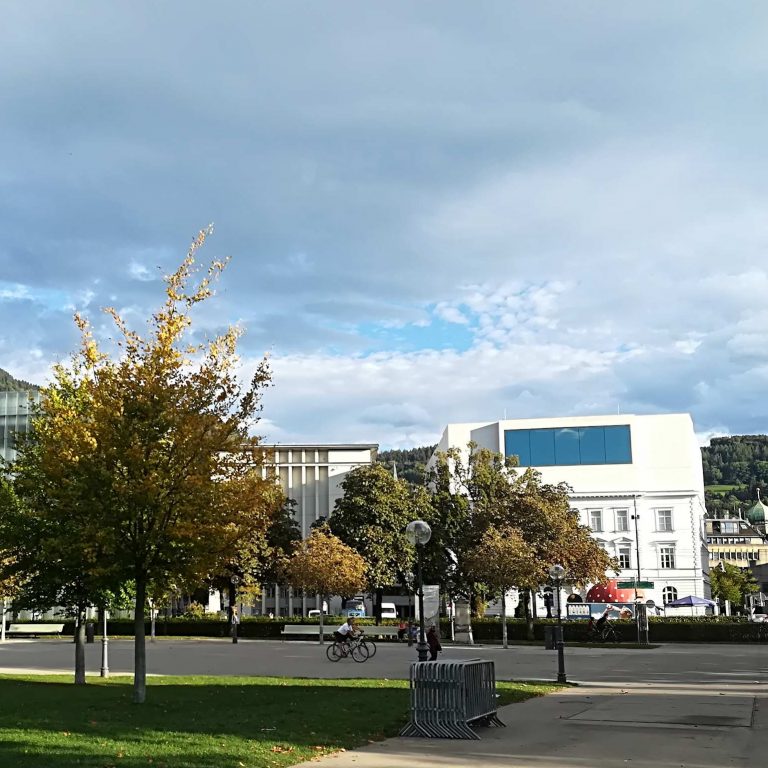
<point>735,541</point>
<point>311,475</point>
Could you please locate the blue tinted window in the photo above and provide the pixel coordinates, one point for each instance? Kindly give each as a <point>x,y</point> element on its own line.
<point>542,447</point>
<point>618,446</point>
<point>592,442</point>
<point>567,446</point>
<point>517,443</point>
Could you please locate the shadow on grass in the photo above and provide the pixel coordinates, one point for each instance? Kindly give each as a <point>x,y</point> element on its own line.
<point>199,723</point>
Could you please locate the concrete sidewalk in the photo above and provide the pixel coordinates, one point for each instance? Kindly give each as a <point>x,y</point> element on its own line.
<point>606,726</point>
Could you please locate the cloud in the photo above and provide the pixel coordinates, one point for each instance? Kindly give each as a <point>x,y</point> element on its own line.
<point>433,214</point>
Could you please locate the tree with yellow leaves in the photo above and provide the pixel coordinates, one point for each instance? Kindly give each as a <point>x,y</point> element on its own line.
<point>324,564</point>
<point>155,450</point>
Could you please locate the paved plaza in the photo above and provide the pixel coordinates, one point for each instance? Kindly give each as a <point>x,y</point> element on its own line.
<point>676,706</point>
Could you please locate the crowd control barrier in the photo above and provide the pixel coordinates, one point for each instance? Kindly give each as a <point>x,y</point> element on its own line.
<point>446,696</point>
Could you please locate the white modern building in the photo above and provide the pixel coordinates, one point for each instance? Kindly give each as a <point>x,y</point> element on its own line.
<point>637,483</point>
<point>311,475</point>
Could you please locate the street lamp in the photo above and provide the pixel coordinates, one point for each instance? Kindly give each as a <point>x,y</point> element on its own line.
<point>418,533</point>
<point>104,644</point>
<point>557,573</point>
<point>410,579</point>
<point>233,606</point>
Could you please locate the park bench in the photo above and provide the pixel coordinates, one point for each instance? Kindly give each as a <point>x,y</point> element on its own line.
<point>35,629</point>
<point>312,630</point>
<point>304,629</point>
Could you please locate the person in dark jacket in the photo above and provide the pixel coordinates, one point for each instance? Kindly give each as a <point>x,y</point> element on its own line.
<point>433,641</point>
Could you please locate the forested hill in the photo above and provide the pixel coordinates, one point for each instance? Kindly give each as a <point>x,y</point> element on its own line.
<point>734,468</point>
<point>410,462</point>
<point>8,383</point>
<point>737,460</point>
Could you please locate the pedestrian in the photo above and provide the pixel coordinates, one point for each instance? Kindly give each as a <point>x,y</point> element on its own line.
<point>433,641</point>
<point>402,630</point>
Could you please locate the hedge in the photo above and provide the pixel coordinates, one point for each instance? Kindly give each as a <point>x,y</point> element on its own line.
<point>719,629</point>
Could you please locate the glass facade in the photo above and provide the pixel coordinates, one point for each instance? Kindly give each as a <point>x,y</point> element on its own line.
<point>568,446</point>
<point>15,410</point>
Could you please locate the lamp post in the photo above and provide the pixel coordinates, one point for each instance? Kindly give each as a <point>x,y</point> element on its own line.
<point>233,606</point>
<point>557,573</point>
<point>410,579</point>
<point>418,533</point>
<point>104,644</point>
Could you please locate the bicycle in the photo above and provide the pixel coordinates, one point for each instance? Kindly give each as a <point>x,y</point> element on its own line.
<point>354,647</point>
<point>603,634</point>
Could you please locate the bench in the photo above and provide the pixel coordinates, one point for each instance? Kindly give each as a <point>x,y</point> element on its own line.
<point>314,630</point>
<point>35,629</point>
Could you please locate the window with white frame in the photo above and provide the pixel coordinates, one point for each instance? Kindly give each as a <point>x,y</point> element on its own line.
<point>624,556</point>
<point>622,519</point>
<point>667,556</point>
<point>668,595</point>
<point>664,520</point>
<point>596,519</point>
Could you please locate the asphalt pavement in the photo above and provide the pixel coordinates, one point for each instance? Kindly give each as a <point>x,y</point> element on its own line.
<point>674,706</point>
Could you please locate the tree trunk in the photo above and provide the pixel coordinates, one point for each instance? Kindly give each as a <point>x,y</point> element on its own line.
<point>2,627</point>
<point>80,646</point>
<point>504,619</point>
<point>321,639</point>
<point>528,616</point>
<point>139,647</point>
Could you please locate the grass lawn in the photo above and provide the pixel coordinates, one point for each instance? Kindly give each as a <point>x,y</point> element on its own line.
<point>199,722</point>
<point>723,488</point>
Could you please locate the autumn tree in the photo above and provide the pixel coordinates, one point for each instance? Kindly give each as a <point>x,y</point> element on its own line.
<point>503,497</point>
<point>501,560</point>
<point>49,538</point>
<point>371,517</point>
<point>163,466</point>
<point>325,565</point>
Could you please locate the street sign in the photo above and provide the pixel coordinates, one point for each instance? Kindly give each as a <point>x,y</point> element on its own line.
<point>631,584</point>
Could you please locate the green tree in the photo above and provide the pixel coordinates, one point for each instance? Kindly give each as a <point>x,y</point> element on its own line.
<point>371,517</point>
<point>325,565</point>
<point>731,583</point>
<point>159,456</point>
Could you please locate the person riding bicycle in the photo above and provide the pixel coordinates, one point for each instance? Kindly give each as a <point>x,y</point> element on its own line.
<point>596,627</point>
<point>346,631</point>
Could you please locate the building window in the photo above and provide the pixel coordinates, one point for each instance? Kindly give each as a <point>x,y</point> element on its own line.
<point>667,557</point>
<point>596,519</point>
<point>668,595</point>
<point>622,520</point>
<point>569,446</point>
<point>664,520</point>
<point>624,554</point>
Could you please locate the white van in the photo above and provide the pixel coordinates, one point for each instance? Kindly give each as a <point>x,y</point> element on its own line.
<point>388,611</point>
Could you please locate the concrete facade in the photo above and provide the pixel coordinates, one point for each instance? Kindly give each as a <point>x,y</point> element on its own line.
<point>646,509</point>
<point>311,475</point>
<point>15,412</point>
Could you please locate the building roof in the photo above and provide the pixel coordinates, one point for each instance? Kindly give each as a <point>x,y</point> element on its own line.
<point>756,514</point>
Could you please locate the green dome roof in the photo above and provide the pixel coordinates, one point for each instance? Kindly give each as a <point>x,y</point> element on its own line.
<point>756,514</point>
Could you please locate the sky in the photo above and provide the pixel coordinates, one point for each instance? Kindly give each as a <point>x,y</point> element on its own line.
<point>436,212</point>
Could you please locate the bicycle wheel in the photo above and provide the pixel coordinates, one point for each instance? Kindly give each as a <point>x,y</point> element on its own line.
<point>360,652</point>
<point>334,653</point>
<point>371,646</point>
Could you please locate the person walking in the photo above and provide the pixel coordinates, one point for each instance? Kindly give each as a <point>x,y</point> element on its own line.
<point>433,641</point>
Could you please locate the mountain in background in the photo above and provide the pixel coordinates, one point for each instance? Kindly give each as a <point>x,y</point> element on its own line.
<point>8,383</point>
<point>410,463</point>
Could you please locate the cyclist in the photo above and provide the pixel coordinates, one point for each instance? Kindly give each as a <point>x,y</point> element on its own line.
<point>596,627</point>
<point>346,631</point>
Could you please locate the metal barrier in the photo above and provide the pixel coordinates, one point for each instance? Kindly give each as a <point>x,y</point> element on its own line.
<point>446,696</point>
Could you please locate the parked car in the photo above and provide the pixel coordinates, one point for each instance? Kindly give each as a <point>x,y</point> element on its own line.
<point>315,613</point>
<point>388,611</point>
<point>759,614</point>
